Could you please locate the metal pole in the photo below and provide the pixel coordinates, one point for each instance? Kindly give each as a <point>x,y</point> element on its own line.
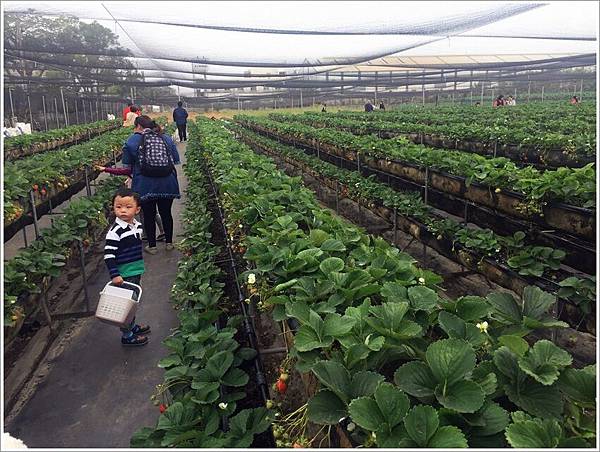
<point>482,84</point>
<point>423,86</point>
<point>84,114</point>
<point>62,96</point>
<point>529,91</point>
<point>30,112</point>
<point>97,111</point>
<point>77,111</point>
<point>12,109</point>
<point>301,101</point>
<point>45,115</point>
<point>542,93</point>
<point>581,91</point>
<point>34,212</point>
<point>56,113</point>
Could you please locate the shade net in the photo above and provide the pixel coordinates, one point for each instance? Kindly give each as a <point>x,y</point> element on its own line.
<point>282,45</point>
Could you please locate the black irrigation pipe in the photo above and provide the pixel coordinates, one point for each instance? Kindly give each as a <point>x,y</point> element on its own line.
<point>580,255</point>
<point>248,325</point>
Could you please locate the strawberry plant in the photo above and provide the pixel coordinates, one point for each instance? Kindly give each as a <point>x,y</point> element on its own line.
<point>363,308</point>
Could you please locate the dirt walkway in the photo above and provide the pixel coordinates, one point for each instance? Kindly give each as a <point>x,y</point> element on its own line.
<point>97,393</point>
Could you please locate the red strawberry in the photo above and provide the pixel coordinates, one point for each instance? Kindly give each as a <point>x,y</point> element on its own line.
<point>35,187</point>
<point>281,386</point>
<point>43,191</point>
<point>162,408</point>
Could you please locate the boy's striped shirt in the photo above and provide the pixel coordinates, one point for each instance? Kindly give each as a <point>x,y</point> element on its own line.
<point>123,249</point>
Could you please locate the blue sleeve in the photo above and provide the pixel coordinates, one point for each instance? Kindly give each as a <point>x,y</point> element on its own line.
<point>173,149</point>
<point>130,149</point>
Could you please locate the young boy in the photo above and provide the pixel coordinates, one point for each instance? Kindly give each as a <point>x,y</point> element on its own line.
<point>123,254</point>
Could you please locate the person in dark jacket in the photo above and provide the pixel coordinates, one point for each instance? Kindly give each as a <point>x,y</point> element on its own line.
<point>155,192</point>
<point>368,106</point>
<point>180,117</point>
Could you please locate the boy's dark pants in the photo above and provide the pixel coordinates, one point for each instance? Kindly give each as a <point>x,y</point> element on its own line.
<point>134,280</point>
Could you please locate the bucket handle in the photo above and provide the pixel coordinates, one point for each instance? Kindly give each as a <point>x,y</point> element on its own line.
<point>136,288</point>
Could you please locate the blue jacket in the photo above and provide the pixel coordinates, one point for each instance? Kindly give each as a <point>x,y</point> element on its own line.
<point>150,187</point>
<point>180,116</point>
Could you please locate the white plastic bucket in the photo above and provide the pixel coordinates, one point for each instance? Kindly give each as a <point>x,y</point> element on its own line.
<point>118,304</point>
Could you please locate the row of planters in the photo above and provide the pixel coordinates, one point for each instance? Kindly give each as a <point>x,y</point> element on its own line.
<point>507,261</point>
<point>522,193</point>
<point>203,382</point>
<point>30,272</point>
<point>55,177</point>
<point>396,365</point>
<point>50,174</point>
<point>25,145</point>
<point>543,126</point>
<point>548,150</point>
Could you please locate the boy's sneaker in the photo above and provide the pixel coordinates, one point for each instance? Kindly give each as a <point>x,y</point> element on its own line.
<point>169,246</point>
<point>151,250</point>
<point>141,329</point>
<point>134,340</point>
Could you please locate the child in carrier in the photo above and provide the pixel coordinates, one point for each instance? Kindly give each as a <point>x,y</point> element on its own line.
<point>123,255</point>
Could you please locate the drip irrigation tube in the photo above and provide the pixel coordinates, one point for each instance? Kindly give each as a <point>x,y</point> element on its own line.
<point>247,323</point>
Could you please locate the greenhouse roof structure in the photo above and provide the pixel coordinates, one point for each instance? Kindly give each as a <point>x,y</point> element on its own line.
<point>314,45</point>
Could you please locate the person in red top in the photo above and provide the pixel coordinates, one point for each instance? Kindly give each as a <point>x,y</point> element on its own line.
<point>126,110</point>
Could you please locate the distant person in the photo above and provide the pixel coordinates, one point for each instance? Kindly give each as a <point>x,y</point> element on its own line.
<point>498,101</point>
<point>511,101</point>
<point>381,106</point>
<point>324,109</point>
<point>126,110</point>
<point>368,106</point>
<point>574,100</point>
<point>478,104</point>
<point>131,115</point>
<point>180,116</point>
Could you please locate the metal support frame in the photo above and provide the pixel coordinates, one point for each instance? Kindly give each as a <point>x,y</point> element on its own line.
<point>34,214</point>
<point>12,109</point>
<point>45,113</point>
<point>56,113</point>
<point>65,115</point>
<point>77,112</point>
<point>30,112</point>
<point>88,188</point>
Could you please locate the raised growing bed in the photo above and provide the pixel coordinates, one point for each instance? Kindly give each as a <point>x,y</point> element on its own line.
<point>491,269</point>
<point>16,153</point>
<point>551,158</point>
<point>581,255</point>
<point>570,219</point>
<point>55,196</point>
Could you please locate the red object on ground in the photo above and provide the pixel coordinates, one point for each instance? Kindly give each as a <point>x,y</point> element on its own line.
<point>162,408</point>
<point>281,386</point>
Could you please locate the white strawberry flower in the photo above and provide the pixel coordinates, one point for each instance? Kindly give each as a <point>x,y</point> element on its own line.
<point>421,280</point>
<point>351,426</point>
<point>483,326</point>
<point>223,405</point>
<point>251,278</point>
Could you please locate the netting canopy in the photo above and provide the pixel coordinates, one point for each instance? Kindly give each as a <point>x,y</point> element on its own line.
<point>308,44</point>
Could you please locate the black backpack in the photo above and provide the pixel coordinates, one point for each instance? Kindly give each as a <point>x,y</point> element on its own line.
<point>154,156</point>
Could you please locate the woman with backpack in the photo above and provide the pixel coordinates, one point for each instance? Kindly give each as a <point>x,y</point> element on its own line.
<point>153,156</point>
